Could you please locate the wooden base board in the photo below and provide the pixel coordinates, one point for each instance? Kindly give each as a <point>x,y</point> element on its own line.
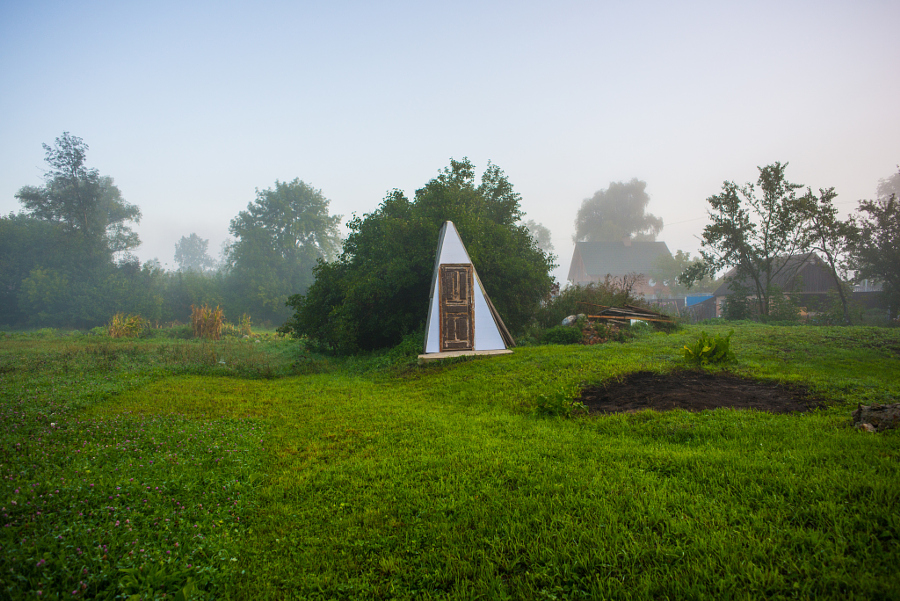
<point>450,354</point>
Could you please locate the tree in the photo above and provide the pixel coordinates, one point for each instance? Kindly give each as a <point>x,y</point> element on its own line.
<point>541,235</point>
<point>278,240</point>
<point>191,254</point>
<point>668,268</point>
<point>876,252</point>
<point>832,238</point>
<point>616,213</point>
<point>757,235</point>
<point>377,291</point>
<point>88,205</point>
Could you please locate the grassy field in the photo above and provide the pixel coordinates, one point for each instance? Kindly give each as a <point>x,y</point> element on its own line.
<point>244,470</point>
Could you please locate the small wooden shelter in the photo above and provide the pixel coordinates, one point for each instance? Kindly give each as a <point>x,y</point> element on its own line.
<point>461,318</point>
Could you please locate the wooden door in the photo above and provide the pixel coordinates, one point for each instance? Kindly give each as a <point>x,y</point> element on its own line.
<point>457,314</point>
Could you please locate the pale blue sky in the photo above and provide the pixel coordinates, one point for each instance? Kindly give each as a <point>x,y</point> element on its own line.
<point>190,106</point>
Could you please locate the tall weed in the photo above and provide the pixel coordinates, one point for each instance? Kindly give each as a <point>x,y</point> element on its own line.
<point>126,326</point>
<point>206,322</point>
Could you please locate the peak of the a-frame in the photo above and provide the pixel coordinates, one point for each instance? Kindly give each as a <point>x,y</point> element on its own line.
<point>450,246</point>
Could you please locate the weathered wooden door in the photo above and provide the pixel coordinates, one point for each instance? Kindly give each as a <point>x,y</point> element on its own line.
<point>457,315</point>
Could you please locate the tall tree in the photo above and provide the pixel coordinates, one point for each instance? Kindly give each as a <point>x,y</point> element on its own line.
<point>831,237</point>
<point>191,254</point>
<point>88,205</point>
<point>617,212</point>
<point>876,252</point>
<point>377,291</point>
<point>278,240</point>
<point>755,234</point>
<point>541,235</point>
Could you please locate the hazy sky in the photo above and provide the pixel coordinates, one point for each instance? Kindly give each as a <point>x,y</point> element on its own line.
<point>191,106</point>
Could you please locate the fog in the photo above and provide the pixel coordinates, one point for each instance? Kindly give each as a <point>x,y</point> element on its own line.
<point>192,108</point>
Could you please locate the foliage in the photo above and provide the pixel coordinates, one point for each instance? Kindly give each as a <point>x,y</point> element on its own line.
<point>668,268</point>
<point>126,326</point>
<point>191,254</point>
<point>561,335</point>
<point>559,402</point>
<point>541,235</point>
<point>617,212</point>
<point>279,238</point>
<point>832,238</point>
<point>377,291</point>
<point>754,234</point>
<point>84,202</point>
<point>708,350</point>
<point>784,308</point>
<point>207,322</point>
<point>875,253</point>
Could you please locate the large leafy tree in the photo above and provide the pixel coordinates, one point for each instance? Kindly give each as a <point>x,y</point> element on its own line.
<point>192,254</point>
<point>73,243</point>
<point>617,212</point>
<point>875,253</point>
<point>278,240</point>
<point>377,291</point>
<point>755,229</point>
<point>832,238</point>
<point>89,206</point>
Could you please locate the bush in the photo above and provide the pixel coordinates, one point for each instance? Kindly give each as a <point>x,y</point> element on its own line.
<point>562,335</point>
<point>737,308</point>
<point>707,350</point>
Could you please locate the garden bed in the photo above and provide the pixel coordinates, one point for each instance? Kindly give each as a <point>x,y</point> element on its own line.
<point>695,391</point>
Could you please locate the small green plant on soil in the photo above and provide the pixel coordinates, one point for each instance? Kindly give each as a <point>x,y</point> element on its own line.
<point>707,350</point>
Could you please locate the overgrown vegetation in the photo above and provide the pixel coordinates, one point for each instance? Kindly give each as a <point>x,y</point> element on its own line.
<point>370,477</point>
<point>126,326</point>
<point>207,322</point>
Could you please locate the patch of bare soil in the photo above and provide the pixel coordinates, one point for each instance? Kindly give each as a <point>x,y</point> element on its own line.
<point>695,391</point>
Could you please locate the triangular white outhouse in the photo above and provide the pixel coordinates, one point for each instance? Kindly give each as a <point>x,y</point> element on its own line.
<point>461,318</point>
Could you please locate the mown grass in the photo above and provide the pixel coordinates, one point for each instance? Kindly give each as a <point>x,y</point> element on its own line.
<point>377,479</point>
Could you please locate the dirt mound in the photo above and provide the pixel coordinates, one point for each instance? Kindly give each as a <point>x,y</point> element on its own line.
<point>695,391</point>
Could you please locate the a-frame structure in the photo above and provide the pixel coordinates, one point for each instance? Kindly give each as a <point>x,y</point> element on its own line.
<point>461,318</point>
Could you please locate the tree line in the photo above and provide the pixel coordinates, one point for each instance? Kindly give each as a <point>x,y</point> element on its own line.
<point>759,230</point>
<point>66,260</point>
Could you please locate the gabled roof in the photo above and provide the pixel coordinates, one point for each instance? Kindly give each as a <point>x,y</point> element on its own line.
<point>814,274</point>
<point>617,258</point>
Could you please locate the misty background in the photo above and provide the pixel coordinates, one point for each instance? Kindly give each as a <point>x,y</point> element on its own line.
<point>192,108</point>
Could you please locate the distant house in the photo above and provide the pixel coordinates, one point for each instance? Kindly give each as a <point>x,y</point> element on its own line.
<point>593,261</point>
<point>806,276</point>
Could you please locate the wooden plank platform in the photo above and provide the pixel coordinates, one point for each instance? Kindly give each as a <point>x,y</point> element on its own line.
<point>427,358</point>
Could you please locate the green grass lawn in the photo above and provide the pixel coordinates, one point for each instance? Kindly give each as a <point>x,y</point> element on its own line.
<point>251,471</point>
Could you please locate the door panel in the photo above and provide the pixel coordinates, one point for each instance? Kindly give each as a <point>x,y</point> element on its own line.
<point>457,314</point>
